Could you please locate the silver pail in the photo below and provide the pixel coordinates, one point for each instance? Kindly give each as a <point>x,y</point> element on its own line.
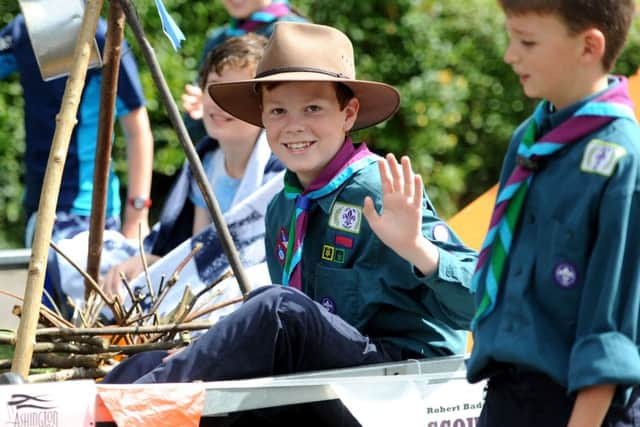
<point>54,26</point>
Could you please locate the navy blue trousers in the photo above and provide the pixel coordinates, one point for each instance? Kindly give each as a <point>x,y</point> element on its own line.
<point>530,399</point>
<point>278,330</point>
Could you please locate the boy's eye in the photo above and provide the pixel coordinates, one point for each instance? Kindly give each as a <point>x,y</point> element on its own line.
<point>313,108</point>
<point>277,111</point>
<point>527,43</point>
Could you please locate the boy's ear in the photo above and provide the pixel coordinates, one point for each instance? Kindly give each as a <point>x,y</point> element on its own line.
<point>594,45</point>
<point>351,114</point>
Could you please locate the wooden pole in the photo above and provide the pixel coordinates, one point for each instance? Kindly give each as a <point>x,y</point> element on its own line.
<point>108,91</point>
<point>194,161</point>
<point>66,121</point>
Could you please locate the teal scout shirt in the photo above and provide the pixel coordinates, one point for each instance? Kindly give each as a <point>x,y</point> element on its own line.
<point>348,270</point>
<point>569,303</point>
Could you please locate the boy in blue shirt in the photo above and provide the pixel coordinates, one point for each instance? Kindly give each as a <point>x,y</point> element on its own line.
<point>346,299</point>
<point>558,278</point>
<point>42,101</point>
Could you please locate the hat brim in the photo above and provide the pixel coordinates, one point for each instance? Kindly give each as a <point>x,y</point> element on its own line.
<point>378,101</point>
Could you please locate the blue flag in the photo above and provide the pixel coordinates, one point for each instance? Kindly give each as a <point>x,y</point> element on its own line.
<point>169,26</point>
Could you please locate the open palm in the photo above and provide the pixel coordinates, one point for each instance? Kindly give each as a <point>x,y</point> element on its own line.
<point>399,226</point>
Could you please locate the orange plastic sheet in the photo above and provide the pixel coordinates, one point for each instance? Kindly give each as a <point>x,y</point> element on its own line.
<point>162,405</point>
<point>472,222</point>
<point>634,90</point>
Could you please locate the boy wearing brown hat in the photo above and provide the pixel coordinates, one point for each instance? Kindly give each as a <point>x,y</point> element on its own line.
<point>346,299</point>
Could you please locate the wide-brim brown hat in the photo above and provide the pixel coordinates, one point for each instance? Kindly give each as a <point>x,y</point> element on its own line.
<point>301,52</point>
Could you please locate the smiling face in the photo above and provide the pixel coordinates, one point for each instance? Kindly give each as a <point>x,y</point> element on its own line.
<point>231,133</point>
<point>305,125</point>
<point>241,9</point>
<point>546,57</point>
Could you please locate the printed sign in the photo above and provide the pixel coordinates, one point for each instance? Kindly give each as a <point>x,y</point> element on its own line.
<point>412,402</point>
<point>57,404</point>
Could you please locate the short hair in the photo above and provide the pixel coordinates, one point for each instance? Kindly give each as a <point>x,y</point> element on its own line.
<point>239,52</point>
<point>344,94</point>
<point>612,17</point>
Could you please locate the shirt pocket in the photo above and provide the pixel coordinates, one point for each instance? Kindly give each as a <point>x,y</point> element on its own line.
<point>338,291</point>
<point>560,268</point>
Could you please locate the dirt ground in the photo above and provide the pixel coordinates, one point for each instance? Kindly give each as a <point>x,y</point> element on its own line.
<point>14,281</point>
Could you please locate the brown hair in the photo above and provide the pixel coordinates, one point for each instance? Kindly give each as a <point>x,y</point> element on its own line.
<point>344,94</point>
<point>239,52</point>
<point>612,17</point>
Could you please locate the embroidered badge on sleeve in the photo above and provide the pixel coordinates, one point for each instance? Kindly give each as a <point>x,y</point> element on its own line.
<point>601,157</point>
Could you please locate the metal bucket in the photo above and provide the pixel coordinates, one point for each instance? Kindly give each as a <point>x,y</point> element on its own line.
<point>54,26</point>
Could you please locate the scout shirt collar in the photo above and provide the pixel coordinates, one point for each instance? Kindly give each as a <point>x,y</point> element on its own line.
<point>552,118</point>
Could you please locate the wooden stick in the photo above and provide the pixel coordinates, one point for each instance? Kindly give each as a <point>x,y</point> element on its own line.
<point>44,310</point>
<point>143,257</point>
<point>208,310</point>
<point>70,374</point>
<point>194,161</point>
<point>66,121</point>
<point>71,360</point>
<point>115,330</point>
<point>88,279</point>
<point>108,89</point>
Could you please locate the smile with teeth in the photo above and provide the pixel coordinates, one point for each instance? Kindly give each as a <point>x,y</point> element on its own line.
<point>298,146</point>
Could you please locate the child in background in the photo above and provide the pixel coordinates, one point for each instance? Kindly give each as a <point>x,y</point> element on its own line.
<point>255,16</point>
<point>558,279</point>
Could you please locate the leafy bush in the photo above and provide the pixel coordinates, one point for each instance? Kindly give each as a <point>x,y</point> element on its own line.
<point>460,102</point>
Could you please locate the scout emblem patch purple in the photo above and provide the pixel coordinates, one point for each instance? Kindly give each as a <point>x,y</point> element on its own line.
<point>565,275</point>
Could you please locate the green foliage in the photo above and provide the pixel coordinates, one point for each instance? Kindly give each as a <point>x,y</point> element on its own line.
<point>460,102</point>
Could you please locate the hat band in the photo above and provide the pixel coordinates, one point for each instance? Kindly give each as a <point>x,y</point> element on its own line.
<point>280,70</point>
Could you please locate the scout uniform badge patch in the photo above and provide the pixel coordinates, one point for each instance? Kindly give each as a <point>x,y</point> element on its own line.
<point>281,245</point>
<point>345,217</point>
<point>601,157</point>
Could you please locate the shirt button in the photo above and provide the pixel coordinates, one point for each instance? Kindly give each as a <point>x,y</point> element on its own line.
<point>518,271</point>
<point>532,219</point>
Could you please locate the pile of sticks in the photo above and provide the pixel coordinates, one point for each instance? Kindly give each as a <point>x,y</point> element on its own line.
<point>89,345</point>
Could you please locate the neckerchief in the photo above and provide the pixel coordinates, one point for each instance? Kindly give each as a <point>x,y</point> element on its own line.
<point>612,104</point>
<point>347,161</point>
<point>277,9</point>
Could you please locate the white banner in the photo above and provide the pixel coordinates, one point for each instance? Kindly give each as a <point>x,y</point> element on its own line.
<point>412,402</point>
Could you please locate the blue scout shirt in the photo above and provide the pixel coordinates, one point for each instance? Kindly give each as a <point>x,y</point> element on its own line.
<point>42,102</point>
<point>569,303</point>
<point>347,269</point>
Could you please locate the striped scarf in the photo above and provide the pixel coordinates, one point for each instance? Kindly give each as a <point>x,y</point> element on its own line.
<point>347,161</point>
<point>612,104</point>
<point>277,9</point>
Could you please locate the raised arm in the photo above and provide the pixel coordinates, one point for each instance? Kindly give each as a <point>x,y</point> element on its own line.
<point>400,224</point>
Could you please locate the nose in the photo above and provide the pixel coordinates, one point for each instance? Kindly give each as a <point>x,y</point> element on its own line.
<point>294,123</point>
<point>510,56</point>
